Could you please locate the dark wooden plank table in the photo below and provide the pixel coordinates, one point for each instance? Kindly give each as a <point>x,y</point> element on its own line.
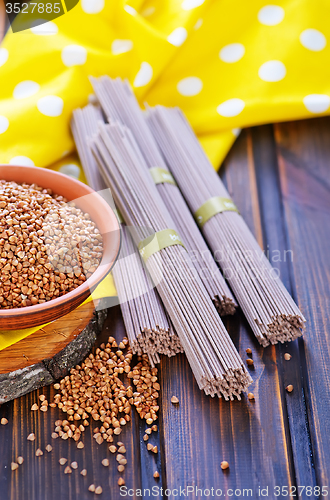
<point>279,176</point>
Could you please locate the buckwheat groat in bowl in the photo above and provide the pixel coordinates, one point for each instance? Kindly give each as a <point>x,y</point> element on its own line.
<point>58,240</point>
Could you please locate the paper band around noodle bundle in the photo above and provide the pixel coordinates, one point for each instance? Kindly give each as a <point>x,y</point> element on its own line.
<point>161,176</point>
<point>159,241</point>
<point>212,207</point>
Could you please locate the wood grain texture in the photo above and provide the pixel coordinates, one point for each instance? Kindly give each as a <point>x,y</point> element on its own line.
<point>65,355</point>
<point>202,432</point>
<point>46,342</point>
<point>42,478</point>
<point>99,211</point>
<point>2,19</point>
<point>303,150</point>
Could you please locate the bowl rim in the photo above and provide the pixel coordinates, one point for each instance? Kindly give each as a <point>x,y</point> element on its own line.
<point>99,274</point>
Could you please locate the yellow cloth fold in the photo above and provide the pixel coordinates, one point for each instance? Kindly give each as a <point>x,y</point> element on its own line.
<point>9,337</point>
<point>226,64</point>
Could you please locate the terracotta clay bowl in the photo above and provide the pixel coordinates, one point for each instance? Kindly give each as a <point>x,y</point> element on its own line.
<point>103,216</point>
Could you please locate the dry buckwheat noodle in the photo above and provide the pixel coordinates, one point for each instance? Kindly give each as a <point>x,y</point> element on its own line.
<point>120,105</point>
<point>148,326</point>
<point>270,310</point>
<point>214,360</point>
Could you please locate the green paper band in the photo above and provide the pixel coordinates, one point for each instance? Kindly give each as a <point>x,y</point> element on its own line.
<point>159,241</point>
<point>161,176</point>
<point>212,207</point>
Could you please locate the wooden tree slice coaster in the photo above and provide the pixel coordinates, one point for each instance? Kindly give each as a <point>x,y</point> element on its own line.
<point>49,353</point>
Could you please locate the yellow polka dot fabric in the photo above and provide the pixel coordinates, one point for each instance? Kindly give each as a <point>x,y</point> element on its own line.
<point>227,64</point>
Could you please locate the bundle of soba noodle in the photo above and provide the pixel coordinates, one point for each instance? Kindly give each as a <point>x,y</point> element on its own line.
<point>271,312</point>
<point>148,326</point>
<point>120,105</point>
<point>213,358</point>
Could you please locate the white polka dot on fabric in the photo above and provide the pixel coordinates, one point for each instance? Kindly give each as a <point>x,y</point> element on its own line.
<point>50,105</point>
<point>232,53</point>
<point>148,11</point>
<point>26,89</point>
<point>46,29</point>
<point>121,46</point>
<point>232,107</point>
<point>178,36</point>
<point>23,161</point>
<point>92,6</point>
<point>270,15</point>
<point>317,103</point>
<point>143,76</point>
<point>190,86</point>
<point>313,40</point>
<point>71,169</point>
<point>4,124</point>
<point>130,10</point>
<point>191,4</point>
<point>198,24</point>
<point>3,56</point>
<point>74,55</point>
<point>272,71</point>
<point>236,131</point>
